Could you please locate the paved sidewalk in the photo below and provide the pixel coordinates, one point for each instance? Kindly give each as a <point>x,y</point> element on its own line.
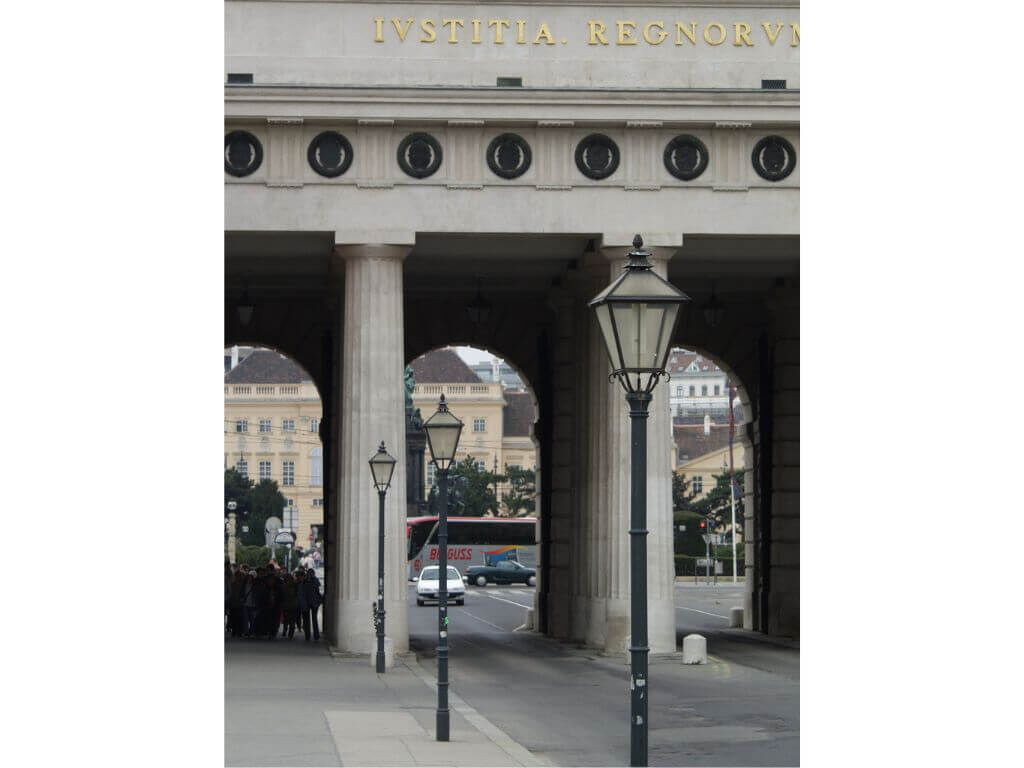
<point>289,703</point>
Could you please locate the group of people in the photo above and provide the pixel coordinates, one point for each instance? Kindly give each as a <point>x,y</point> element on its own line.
<point>268,602</point>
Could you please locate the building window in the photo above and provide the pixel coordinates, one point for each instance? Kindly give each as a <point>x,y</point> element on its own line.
<point>242,425</point>
<point>316,467</point>
<point>704,390</point>
<point>264,470</point>
<point>718,389</point>
<point>693,390</point>
<point>318,502</point>
<point>288,473</point>
<point>479,424</point>
<point>431,475</point>
<point>679,391</point>
<point>698,484</point>
<point>480,466</point>
<point>291,517</point>
<point>314,425</point>
<point>264,425</point>
<point>242,467</point>
<point>679,410</point>
<point>288,425</point>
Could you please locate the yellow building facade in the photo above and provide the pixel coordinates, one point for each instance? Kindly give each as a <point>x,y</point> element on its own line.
<point>272,414</point>
<point>497,431</point>
<point>701,470</point>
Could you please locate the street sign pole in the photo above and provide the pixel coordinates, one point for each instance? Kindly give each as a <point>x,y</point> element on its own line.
<point>707,558</point>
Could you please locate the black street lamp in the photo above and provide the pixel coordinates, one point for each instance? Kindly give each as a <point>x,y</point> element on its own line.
<point>443,430</point>
<point>637,315</point>
<point>381,467</point>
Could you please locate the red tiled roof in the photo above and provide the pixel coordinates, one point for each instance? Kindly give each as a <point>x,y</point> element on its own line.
<point>265,366</point>
<point>442,366</point>
<point>691,441</point>
<point>679,360</point>
<point>518,414</point>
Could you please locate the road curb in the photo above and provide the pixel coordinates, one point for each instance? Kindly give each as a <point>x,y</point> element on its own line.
<point>494,734</point>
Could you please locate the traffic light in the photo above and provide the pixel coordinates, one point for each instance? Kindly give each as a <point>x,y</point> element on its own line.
<point>703,526</point>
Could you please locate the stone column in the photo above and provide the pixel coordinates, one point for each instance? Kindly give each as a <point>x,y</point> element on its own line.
<point>607,486</point>
<point>372,408</point>
<point>562,481</point>
<point>607,493</point>
<point>661,574</point>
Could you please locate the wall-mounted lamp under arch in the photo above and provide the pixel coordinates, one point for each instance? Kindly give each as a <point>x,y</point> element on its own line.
<point>245,308</point>
<point>714,310</point>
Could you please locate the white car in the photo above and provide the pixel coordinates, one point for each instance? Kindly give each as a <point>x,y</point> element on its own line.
<point>428,585</point>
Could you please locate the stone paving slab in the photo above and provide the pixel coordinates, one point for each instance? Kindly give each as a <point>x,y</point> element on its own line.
<point>295,705</point>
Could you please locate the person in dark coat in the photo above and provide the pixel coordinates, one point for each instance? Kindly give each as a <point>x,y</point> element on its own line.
<point>273,612</point>
<point>262,598</point>
<point>289,605</point>
<point>310,601</point>
<point>237,620</point>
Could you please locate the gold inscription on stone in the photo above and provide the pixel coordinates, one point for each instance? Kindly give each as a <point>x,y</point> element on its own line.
<point>742,34</point>
<point>497,24</point>
<point>427,25</point>
<point>655,39</point>
<point>545,33</point>
<point>453,24</point>
<point>690,32</point>
<point>626,32</point>
<point>768,32</point>
<point>707,33</point>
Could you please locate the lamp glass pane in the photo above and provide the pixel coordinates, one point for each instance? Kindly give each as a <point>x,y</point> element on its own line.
<point>604,320</point>
<point>629,323</point>
<point>443,429</point>
<point>658,319</point>
<point>443,439</point>
<point>383,467</point>
<point>665,343</point>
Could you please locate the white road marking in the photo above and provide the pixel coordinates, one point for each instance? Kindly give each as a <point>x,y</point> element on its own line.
<point>717,615</point>
<point>503,600</point>
<point>485,621</point>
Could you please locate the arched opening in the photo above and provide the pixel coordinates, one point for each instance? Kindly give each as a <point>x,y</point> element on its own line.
<point>712,476</point>
<point>273,464</point>
<point>493,498</point>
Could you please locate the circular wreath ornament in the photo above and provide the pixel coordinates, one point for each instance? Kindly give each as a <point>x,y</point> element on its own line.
<point>330,154</point>
<point>774,158</point>
<point>597,156</point>
<point>686,157</point>
<point>508,155</point>
<point>419,155</point>
<point>243,153</point>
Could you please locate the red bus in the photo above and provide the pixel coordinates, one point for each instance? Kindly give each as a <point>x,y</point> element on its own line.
<point>472,541</point>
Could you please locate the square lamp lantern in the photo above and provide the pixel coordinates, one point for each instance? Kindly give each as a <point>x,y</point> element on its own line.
<point>637,314</point>
<point>443,430</point>
<point>382,466</point>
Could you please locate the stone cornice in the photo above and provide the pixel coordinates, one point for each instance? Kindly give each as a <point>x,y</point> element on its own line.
<point>570,3</point>
<point>378,105</point>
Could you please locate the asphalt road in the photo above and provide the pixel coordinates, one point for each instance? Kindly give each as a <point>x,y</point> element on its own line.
<point>570,705</point>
